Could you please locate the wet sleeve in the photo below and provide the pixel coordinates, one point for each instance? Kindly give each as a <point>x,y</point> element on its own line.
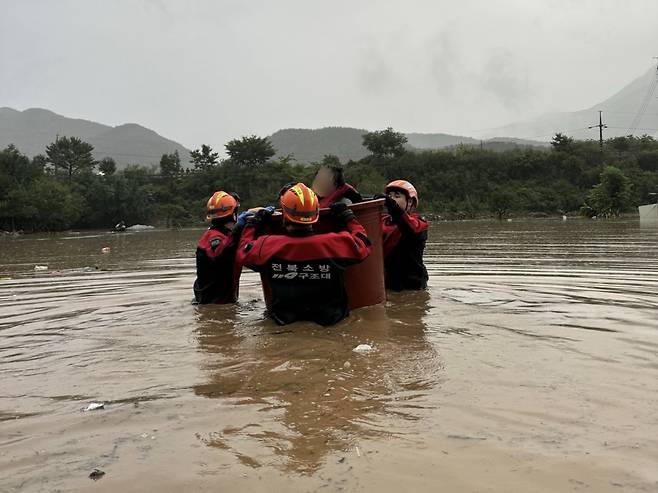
<point>411,224</point>
<point>352,245</point>
<point>250,249</point>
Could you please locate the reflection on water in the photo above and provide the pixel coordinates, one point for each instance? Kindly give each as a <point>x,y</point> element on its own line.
<point>537,342</point>
<point>320,394</point>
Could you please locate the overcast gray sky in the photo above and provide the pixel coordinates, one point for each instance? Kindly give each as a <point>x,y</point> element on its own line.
<point>208,71</point>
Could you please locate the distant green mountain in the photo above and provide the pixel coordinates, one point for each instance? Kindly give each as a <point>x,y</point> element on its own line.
<point>33,129</point>
<point>310,145</point>
<point>437,141</point>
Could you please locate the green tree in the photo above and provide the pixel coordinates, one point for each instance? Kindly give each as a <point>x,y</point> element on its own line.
<point>621,144</point>
<point>331,160</point>
<point>107,166</point>
<point>562,142</point>
<point>611,196</point>
<point>72,155</point>
<point>17,172</point>
<point>134,195</point>
<point>648,160</point>
<point>17,167</point>
<point>56,207</point>
<point>204,158</point>
<point>39,162</point>
<point>250,151</point>
<point>170,165</point>
<point>502,201</point>
<point>385,143</point>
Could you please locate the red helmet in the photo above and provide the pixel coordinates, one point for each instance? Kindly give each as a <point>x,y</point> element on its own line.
<point>407,188</point>
<point>300,205</point>
<point>221,204</point>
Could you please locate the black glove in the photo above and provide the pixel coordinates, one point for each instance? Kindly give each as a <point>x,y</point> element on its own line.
<point>341,212</point>
<point>391,205</point>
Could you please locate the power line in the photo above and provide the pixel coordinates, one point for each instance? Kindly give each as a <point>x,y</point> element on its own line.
<point>559,131</point>
<point>645,102</point>
<point>628,113</point>
<point>636,128</point>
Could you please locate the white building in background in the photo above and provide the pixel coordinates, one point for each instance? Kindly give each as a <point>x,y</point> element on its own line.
<point>648,213</point>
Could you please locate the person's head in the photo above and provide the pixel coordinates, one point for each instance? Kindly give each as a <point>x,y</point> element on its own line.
<point>327,179</point>
<point>300,207</point>
<point>222,208</point>
<point>404,193</point>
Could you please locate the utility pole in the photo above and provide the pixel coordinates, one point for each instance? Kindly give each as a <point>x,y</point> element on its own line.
<point>601,126</point>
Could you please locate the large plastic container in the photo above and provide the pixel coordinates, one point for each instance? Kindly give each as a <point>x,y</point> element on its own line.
<point>364,282</point>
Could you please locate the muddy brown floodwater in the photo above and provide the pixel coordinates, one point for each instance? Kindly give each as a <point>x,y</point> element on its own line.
<point>531,364</point>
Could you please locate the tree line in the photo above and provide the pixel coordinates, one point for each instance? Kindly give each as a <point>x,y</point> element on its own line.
<point>67,188</point>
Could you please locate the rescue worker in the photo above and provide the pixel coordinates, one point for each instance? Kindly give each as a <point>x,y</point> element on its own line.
<point>217,273</point>
<point>304,270</point>
<point>404,237</point>
<point>329,185</point>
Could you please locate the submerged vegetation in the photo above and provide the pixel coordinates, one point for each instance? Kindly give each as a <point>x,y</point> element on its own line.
<point>66,188</point>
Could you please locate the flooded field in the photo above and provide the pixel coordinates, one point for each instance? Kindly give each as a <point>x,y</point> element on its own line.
<point>531,364</point>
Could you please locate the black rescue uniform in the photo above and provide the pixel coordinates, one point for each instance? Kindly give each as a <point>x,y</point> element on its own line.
<point>305,270</point>
<point>217,272</point>
<point>404,237</point>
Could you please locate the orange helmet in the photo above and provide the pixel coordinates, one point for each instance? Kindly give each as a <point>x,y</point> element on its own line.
<point>300,205</point>
<point>406,187</point>
<point>221,204</point>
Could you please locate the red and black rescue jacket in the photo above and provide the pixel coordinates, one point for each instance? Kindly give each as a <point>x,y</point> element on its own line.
<point>217,272</point>
<point>404,238</point>
<point>346,191</point>
<point>305,270</point>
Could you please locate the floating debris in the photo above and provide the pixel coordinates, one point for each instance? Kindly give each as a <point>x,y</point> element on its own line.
<point>40,267</point>
<point>106,249</point>
<point>94,406</point>
<point>363,349</point>
<point>96,474</point>
<point>139,227</point>
<point>285,367</point>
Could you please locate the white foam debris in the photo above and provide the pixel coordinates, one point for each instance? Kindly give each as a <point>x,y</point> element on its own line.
<point>363,349</point>
<point>285,367</point>
<point>94,406</point>
<point>139,227</point>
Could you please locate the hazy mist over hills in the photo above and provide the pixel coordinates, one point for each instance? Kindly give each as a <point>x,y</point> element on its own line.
<point>620,112</point>
<point>632,110</point>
